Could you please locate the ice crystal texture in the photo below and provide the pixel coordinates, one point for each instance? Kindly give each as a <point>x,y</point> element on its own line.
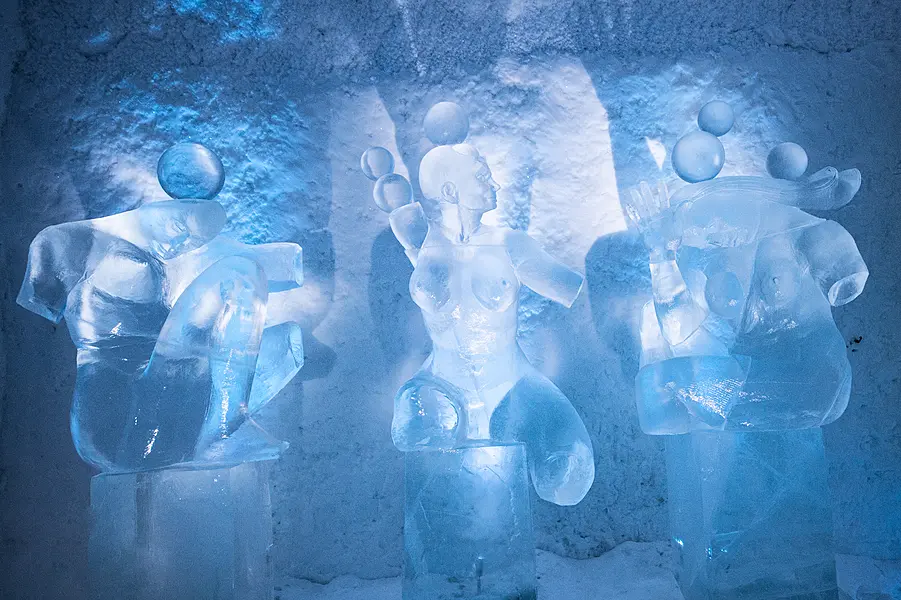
<point>740,334</point>
<point>477,387</point>
<point>175,347</point>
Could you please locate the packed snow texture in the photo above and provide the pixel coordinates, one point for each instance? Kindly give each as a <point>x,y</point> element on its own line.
<point>571,102</point>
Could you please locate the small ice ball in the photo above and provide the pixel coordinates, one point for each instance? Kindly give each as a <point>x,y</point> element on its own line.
<point>446,123</point>
<point>787,161</point>
<point>190,170</point>
<point>698,156</point>
<point>716,117</point>
<point>724,294</point>
<point>392,191</point>
<point>375,162</point>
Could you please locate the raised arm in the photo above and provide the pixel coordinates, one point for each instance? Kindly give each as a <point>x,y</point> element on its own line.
<point>541,272</point>
<point>678,313</point>
<point>410,227</point>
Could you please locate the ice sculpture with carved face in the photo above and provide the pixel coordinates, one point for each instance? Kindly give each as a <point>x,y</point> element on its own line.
<point>477,386</point>
<point>182,333</point>
<point>739,334</point>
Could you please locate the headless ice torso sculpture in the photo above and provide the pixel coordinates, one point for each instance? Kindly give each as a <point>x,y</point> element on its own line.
<point>741,363</point>
<point>182,335</point>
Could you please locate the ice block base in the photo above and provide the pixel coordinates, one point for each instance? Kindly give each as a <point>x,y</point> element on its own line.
<point>173,533</point>
<point>750,515</point>
<point>468,525</point>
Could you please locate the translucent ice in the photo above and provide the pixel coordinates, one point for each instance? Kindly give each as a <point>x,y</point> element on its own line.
<point>190,170</point>
<point>169,318</point>
<point>477,387</point>
<point>716,117</point>
<point>787,161</point>
<point>750,515</point>
<point>698,156</point>
<point>376,162</point>
<point>446,123</point>
<point>740,333</point>
<point>468,525</point>
<point>392,191</point>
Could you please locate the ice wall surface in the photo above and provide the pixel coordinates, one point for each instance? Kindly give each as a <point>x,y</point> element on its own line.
<point>575,102</point>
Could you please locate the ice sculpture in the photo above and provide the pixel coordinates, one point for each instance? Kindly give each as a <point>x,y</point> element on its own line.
<point>698,156</point>
<point>477,419</point>
<point>787,161</point>
<point>169,319</point>
<point>741,363</point>
<point>716,117</point>
<point>182,335</point>
<point>740,332</point>
<point>477,386</point>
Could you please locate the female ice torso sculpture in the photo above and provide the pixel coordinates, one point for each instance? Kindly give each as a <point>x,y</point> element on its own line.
<point>179,339</point>
<point>740,333</point>
<point>477,387</point>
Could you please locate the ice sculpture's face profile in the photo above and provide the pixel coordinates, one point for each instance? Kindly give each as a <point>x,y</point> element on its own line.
<point>477,388</point>
<point>458,175</point>
<point>179,339</point>
<point>740,333</point>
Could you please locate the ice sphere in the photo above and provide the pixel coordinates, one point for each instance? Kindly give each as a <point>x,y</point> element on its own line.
<point>750,515</point>
<point>446,123</point>
<point>716,117</point>
<point>376,162</point>
<point>698,156</point>
<point>468,525</point>
<point>742,282</point>
<point>477,387</point>
<point>392,191</point>
<point>169,319</point>
<point>190,170</point>
<point>787,161</point>
<point>202,534</point>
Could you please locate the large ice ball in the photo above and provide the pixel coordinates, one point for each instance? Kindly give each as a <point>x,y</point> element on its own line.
<point>190,170</point>
<point>716,117</point>
<point>698,156</point>
<point>446,123</point>
<point>392,191</point>
<point>375,162</point>
<point>787,161</point>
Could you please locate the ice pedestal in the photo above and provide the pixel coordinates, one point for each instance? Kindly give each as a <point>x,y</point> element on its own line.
<point>468,525</point>
<point>750,515</point>
<point>173,533</point>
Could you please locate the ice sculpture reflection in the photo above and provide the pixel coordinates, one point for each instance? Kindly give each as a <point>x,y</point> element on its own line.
<point>740,333</point>
<point>477,387</point>
<point>182,333</point>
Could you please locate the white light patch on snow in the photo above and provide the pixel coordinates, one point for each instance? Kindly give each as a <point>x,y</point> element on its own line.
<point>573,197</point>
<point>657,150</point>
<point>135,177</point>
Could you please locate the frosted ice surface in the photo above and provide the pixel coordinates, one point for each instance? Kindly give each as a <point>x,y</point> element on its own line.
<point>446,123</point>
<point>477,387</point>
<point>190,170</point>
<point>202,534</point>
<point>750,515</point>
<point>392,191</point>
<point>787,161</point>
<point>716,117</point>
<point>468,525</point>
<point>376,162</point>
<point>698,156</point>
<point>169,319</point>
<point>740,333</point>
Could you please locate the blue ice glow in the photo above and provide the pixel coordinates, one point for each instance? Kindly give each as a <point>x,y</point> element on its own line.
<point>740,332</point>
<point>175,348</point>
<point>477,387</point>
<point>698,156</point>
<point>190,170</point>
